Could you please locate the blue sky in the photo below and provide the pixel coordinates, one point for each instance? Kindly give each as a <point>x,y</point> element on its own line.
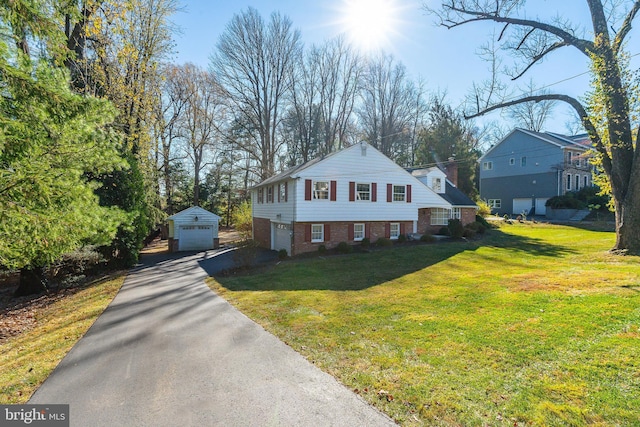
<point>445,59</point>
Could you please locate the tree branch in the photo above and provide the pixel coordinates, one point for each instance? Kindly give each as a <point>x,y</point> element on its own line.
<point>626,27</point>
<point>585,46</point>
<point>538,57</point>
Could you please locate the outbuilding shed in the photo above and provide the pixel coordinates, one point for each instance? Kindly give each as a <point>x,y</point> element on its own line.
<point>193,229</point>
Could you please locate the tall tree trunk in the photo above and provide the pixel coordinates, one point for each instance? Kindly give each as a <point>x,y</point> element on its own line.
<point>32,281</point>
<point>628,217</point>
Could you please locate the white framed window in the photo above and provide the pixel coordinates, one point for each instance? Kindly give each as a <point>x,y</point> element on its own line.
<point>569,155</point>
<point>523,161</point>
<point>512,161</point>
<point>440,216</point>
<point>569,182</point>
<point>399,193</point>
<point>487,165</point>
<point>317,233</point>
<point>494,203</point>
<point>321,190</point>
<point>577,182</point>
<point>394,230</point>
<point>358,232</point>
<point>586,180</point>
<point>436,185</point>
<point>270,194</point>
<point>363,192</point>
<point>283,192</point>
<point>456,213</point>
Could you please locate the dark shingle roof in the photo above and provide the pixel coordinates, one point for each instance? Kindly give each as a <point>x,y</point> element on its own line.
<point>456,197</point>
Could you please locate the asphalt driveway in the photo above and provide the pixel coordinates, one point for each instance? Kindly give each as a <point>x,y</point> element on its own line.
<point>168,351</point>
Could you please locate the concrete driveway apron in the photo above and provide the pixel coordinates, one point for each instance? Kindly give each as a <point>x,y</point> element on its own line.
<point>169,352</point>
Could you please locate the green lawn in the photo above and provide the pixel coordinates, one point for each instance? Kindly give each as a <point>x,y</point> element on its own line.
<point>533,325</point>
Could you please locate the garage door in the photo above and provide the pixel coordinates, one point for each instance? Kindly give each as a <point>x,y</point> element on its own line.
<point>520,205</point>
<point>195,237</point>
<point>281,237</point>
<point>541,209</point>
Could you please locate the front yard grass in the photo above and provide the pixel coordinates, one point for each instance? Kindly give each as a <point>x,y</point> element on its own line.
<point>27,358</point>
<point>535,324</point>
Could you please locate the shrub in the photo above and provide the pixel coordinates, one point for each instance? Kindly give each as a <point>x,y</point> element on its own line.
<point>365,243</point>
<point>567,201</point>
<point>402,238</point>
<point>477,227</point>
<point>428,238</point>
<point>322,249</point>
<point>282,254</point>
<point>444,231</point>
<point>242,220</point>
<point>468,233</point>
<point>483,222</point>
<point>246,253</point>
<point>456,230</point>
<point>383,241</point>
<point>344,248</point>
<point>484,209</point>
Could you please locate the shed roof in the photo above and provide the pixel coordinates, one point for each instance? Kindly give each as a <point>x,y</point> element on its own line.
<point>194,211</point>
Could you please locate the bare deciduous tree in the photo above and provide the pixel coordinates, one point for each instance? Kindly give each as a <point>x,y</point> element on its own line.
<point>613,134</point>
<point>254,62</point>
<point>386,114</point>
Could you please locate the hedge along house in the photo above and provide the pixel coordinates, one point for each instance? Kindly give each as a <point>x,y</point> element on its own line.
<point>346,196</point>
<point>193,229</point>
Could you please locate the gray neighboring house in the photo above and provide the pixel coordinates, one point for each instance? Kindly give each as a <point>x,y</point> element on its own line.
<point>522,171</point>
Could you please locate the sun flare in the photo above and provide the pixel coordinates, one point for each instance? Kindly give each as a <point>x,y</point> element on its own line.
<point>369,24</point>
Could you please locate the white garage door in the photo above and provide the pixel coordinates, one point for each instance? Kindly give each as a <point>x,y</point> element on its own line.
<point>541,209</point>
<point>520,205</point>
<point>281,237</point>
<point>195,237</point>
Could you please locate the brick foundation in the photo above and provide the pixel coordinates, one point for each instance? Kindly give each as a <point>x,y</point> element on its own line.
<point>262,232</point>
<point>339,232</point>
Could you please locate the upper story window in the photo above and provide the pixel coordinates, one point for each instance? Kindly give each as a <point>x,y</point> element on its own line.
<point>399,193</point>
<point>260,195</point>
<point>523,161</point>
<point>487,166</point>
<point>321,190</point>
<point>436,185</point>
<point>270,194</point>
<point>512,161</point>
<point>363,191</point>
<point>283,192</point>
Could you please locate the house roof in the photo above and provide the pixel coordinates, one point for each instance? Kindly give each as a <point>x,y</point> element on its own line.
<point>580,142</point>
<point>456,197</point>
<point>194,211</point>
<point>292,172</point>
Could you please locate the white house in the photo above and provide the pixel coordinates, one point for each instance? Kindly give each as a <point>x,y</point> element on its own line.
<point>193,229</point>
<point>346,196</point>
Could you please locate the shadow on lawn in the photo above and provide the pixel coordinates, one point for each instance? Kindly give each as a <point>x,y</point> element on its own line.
<point>360,271</point>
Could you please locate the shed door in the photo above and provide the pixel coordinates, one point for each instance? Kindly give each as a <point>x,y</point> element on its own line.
<point>541,209</point>
<point>520,205</point>
<point>195,237</point>
<point>281,237</point>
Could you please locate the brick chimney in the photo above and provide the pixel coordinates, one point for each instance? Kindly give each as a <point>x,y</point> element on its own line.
<point>451,169</point>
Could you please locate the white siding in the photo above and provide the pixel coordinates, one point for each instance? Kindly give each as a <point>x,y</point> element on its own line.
<point>350,165</point>
<point>272,210</point>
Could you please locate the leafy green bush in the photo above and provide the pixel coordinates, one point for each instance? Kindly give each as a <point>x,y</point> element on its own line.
<point>282,254</point>
<point>402,238</point>
<point>322,249</point>
<point>468,233</point>
<point>428,238</point>
<point>344,248</point>
<point>483,221</point>
<point>365,243</point>
<point>242,220</point>
<point>444,231</point>
<point>567,201</point>
<point>456,230</point>
<point>383,241</point>
<point>476,227</point>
